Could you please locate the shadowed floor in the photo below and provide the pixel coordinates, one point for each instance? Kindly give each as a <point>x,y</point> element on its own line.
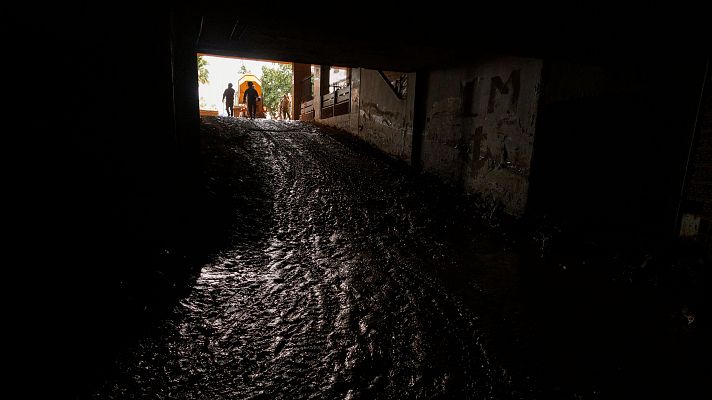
<point>347,276</point>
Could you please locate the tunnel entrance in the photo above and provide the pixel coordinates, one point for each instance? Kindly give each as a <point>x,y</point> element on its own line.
<point>285,90</point>
<point>223,82</point>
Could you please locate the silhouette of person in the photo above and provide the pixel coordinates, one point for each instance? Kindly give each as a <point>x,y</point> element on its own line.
<point>284,107</point>
<point>229,99</point>
<point>251,96</point>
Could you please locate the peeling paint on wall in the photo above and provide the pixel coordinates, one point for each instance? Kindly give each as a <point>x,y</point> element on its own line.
<point>378,115</point>
<point>386,120</point>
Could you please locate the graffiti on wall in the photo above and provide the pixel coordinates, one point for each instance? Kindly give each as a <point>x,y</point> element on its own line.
<point>509,88</point>
<point>479,129</point>
<point>501,93</point>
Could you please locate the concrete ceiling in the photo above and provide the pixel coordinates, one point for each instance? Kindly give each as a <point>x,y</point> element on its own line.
<point>408,43</point>
<point>338,43</point>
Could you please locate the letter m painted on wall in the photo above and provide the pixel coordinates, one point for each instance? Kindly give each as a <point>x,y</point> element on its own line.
<point>504,88</point>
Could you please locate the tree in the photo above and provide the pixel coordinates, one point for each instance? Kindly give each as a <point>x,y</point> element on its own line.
<point>275,83</point>
<point>203,71</point>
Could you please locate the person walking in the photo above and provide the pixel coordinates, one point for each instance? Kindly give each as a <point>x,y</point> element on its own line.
<point>229,99</point>
<point>251,96</point>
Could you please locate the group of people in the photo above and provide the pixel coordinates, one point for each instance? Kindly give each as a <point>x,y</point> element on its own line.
<point>251,97</point>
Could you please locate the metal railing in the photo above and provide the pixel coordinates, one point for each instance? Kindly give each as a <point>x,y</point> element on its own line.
<point>336,103</point>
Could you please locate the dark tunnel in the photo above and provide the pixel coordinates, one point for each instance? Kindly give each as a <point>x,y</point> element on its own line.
<point>487,206</point>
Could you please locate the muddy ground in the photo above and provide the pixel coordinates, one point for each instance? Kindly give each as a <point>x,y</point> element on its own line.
<point>317,267</point>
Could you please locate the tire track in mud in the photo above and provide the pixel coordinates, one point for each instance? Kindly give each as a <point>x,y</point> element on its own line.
<point>334,302</point>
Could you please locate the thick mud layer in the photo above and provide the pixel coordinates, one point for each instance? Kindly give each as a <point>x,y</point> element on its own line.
<point>346,278</point>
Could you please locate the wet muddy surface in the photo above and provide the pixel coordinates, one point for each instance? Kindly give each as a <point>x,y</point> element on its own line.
<point>344,276</point>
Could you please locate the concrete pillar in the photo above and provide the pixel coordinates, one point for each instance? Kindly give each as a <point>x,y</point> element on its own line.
<point>324,81</point>
<point>317,92</point>
<point>355,99</point>
<point>321,87</point>
<point>420,110</point>
<point>300,72</point>
<point>186,103</point>
<point>693,219</point>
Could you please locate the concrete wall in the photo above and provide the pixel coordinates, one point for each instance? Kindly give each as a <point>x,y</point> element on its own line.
<point>611,145</point>
<point>696,209</point>
<point>377,115</point>
<point>300,71</point>
<point>479,129</point>
<point>385,120</point>
<point>119,190</point>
